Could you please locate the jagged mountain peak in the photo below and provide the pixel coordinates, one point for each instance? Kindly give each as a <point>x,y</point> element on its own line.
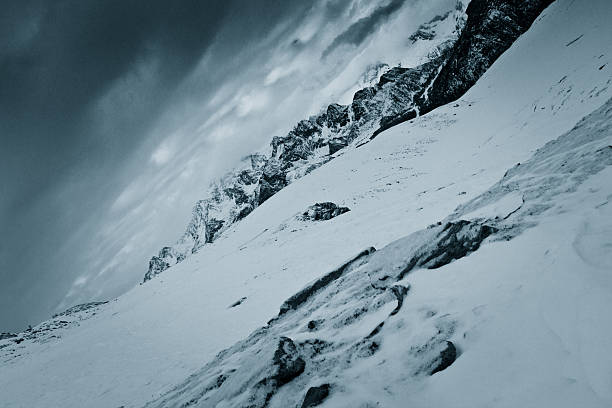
<point>399,94</point>
<point>309,144</point>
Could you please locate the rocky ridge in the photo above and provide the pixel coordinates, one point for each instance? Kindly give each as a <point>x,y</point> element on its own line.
<point>399,95</point>
<point>14,345</point>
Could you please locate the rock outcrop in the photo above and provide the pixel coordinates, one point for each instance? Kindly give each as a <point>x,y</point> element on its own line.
<point>316,395</point>
<point>323,211</point>
<point>491,28</point>
<point>448,355</point>
<point>15,346</point>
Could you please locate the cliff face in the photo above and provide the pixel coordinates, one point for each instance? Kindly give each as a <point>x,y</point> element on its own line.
<point>491,28</point>
<point>399,95</point>
<point>230,199</point>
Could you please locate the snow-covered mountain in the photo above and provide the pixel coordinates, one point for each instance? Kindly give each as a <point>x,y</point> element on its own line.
<point>389,93</point>
<point>461,258</point>
<point>400,94</point>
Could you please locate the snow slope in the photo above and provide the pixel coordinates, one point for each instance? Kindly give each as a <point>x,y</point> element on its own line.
<point>526,314</point>
<point>374,331</point>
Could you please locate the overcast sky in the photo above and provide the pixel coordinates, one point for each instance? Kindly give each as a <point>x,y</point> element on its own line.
<point>115,116</point>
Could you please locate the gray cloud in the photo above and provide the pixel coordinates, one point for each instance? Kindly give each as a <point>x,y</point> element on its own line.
<point>114,115</point>
<point>364,27</point>
<point>82,84</point>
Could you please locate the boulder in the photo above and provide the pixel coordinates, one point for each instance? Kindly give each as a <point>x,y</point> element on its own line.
<point>447,356</point>
<point>323,211</point>
<point>288,361</point>
<point>336,144</point>
<point>316,395</point>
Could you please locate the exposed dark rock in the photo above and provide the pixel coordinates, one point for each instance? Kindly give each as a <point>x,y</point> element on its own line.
<point>376,330</point>
<point>392,75</point>
<point>246,210</point>
<point>492,26</point>
<point>314,347</point>
<point>395,92</point>
<point>212,227</point>
<point>237,194</point>
<point>404,89</point>
<point>288,361</point>
<point>299,142</point>
<point>400,293</point>
<point>209,217</point>
<point>373,348</point>
<point>314,324</point>
<point>7,336</point>
<point>361,100</point>
<point>286,365</point>
<point>79,308</point>
<point>337,116</point>
<point>336,144</point>
<point>427,31</point>
<point>302,296</point>
<point>422,34</point>
<point>454,241</point>
<point>316,395</point>
<point>238,302</point>
<point>323,211</point>
<point>447,357</point>
<point>458,239</point>
<point>158,264</point>
<point>273,179</point>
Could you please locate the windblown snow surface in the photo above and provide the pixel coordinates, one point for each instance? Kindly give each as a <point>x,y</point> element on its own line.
<point>524,298</point>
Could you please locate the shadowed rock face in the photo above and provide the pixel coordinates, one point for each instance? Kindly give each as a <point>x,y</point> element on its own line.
<point>336,144</point>
<point>288,362</point>
<point>337,116</point>
<point>302,296</point>
<point>492,27</point>
<point>456,240</point>
<point>399,95</point>
<point>272,180</point>
<point>316,395</point>
<point>448,355</point>
<point>167,257</point>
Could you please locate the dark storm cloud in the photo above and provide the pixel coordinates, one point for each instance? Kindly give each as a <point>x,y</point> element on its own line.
<point>81,83</point>
<point>68,55</point>
<point>56,60</point>
<point>364,27</point>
